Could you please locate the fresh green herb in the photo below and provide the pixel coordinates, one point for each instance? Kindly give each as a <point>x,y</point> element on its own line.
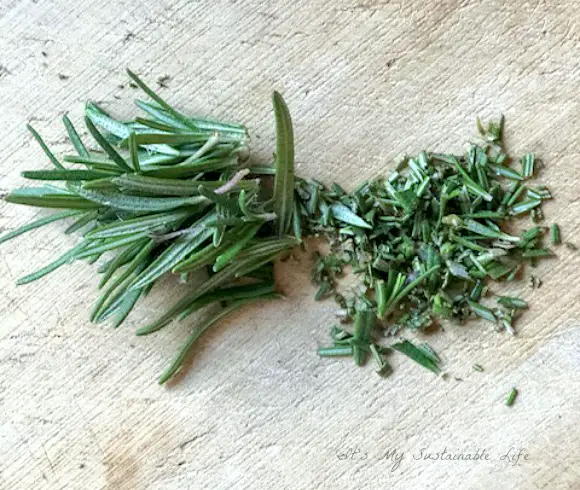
<point>169,193</point>
<point>510,302</point>
<point>38,223</point>
<point>424,241</point>
<point>335,351</point>
<point>555,234</point>
<point>511,397</point>
<point>420,356</point>
<point>478,368</point>
<point>284,180</point>
<point>45,148</point>
<point>482,311</point>
<point>383,367</point>
<point>364,321</point>
<point>164,196</point>
<point>528,166</point>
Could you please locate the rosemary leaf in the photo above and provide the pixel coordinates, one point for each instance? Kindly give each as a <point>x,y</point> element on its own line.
<point>45,148</point>
<point>66,258</point>
<point>47,200</point>
<point>38,223</point>
<point>555,234</point>
<point>74,175</point>
<point>106,146</point>
<point>74,137</point>
<point>171,256</point>
<point>511,397</point>
<point>284,179</point>
<point>139,203</point>
<point>342,213</point>
<point>407,348</point>
<point>200,329</point>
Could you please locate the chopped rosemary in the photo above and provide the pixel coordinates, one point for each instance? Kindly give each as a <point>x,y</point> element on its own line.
<point>420,354</point>
<point>424,241</point>
<point>555,234</point>
<point>511,397</point>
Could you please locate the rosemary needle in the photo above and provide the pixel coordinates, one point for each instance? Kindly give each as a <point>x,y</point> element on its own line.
<point>555,234</point>
<point>284,178</point>
<point>511,397</point>
<point>200,329</point>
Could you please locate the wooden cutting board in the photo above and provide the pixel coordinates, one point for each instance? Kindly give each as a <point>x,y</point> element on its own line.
<point>257,409</point>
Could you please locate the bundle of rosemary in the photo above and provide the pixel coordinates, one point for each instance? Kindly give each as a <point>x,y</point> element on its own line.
<point>424,243</point>
<point>167,192</point>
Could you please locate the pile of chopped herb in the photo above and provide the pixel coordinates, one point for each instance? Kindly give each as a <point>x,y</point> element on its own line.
<point>425,243</point>
<point>169,193</point>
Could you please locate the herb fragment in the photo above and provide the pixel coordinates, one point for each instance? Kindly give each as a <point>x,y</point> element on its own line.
<point>335,351</point>
<point>511,302</point>
<point>421,356</point>
<point>511,397</point>
<point>555,234</point>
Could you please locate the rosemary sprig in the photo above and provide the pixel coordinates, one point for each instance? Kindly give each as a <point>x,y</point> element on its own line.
<point>162,194</point>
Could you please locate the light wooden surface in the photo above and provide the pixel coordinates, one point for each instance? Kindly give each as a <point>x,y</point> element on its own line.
<point>365,80</point>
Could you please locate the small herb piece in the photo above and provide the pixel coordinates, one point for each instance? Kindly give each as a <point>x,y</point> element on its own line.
<point>511,397</point>
<point>555,234</point>
<point>510,302</point>
<point>482,311</point>
<point>420,356</point>
<point>383,367</point>
<point>364,321</point>
<point>342,213</point>
<point>335,351</point>
<point>528,165</point>
<point>478,368</point>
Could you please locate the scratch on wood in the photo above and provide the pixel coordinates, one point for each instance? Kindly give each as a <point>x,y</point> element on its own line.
<point>47,458</point>
<point>193,439</point>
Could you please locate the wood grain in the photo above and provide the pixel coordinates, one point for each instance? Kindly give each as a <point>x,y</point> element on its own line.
<point>365,80</point>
